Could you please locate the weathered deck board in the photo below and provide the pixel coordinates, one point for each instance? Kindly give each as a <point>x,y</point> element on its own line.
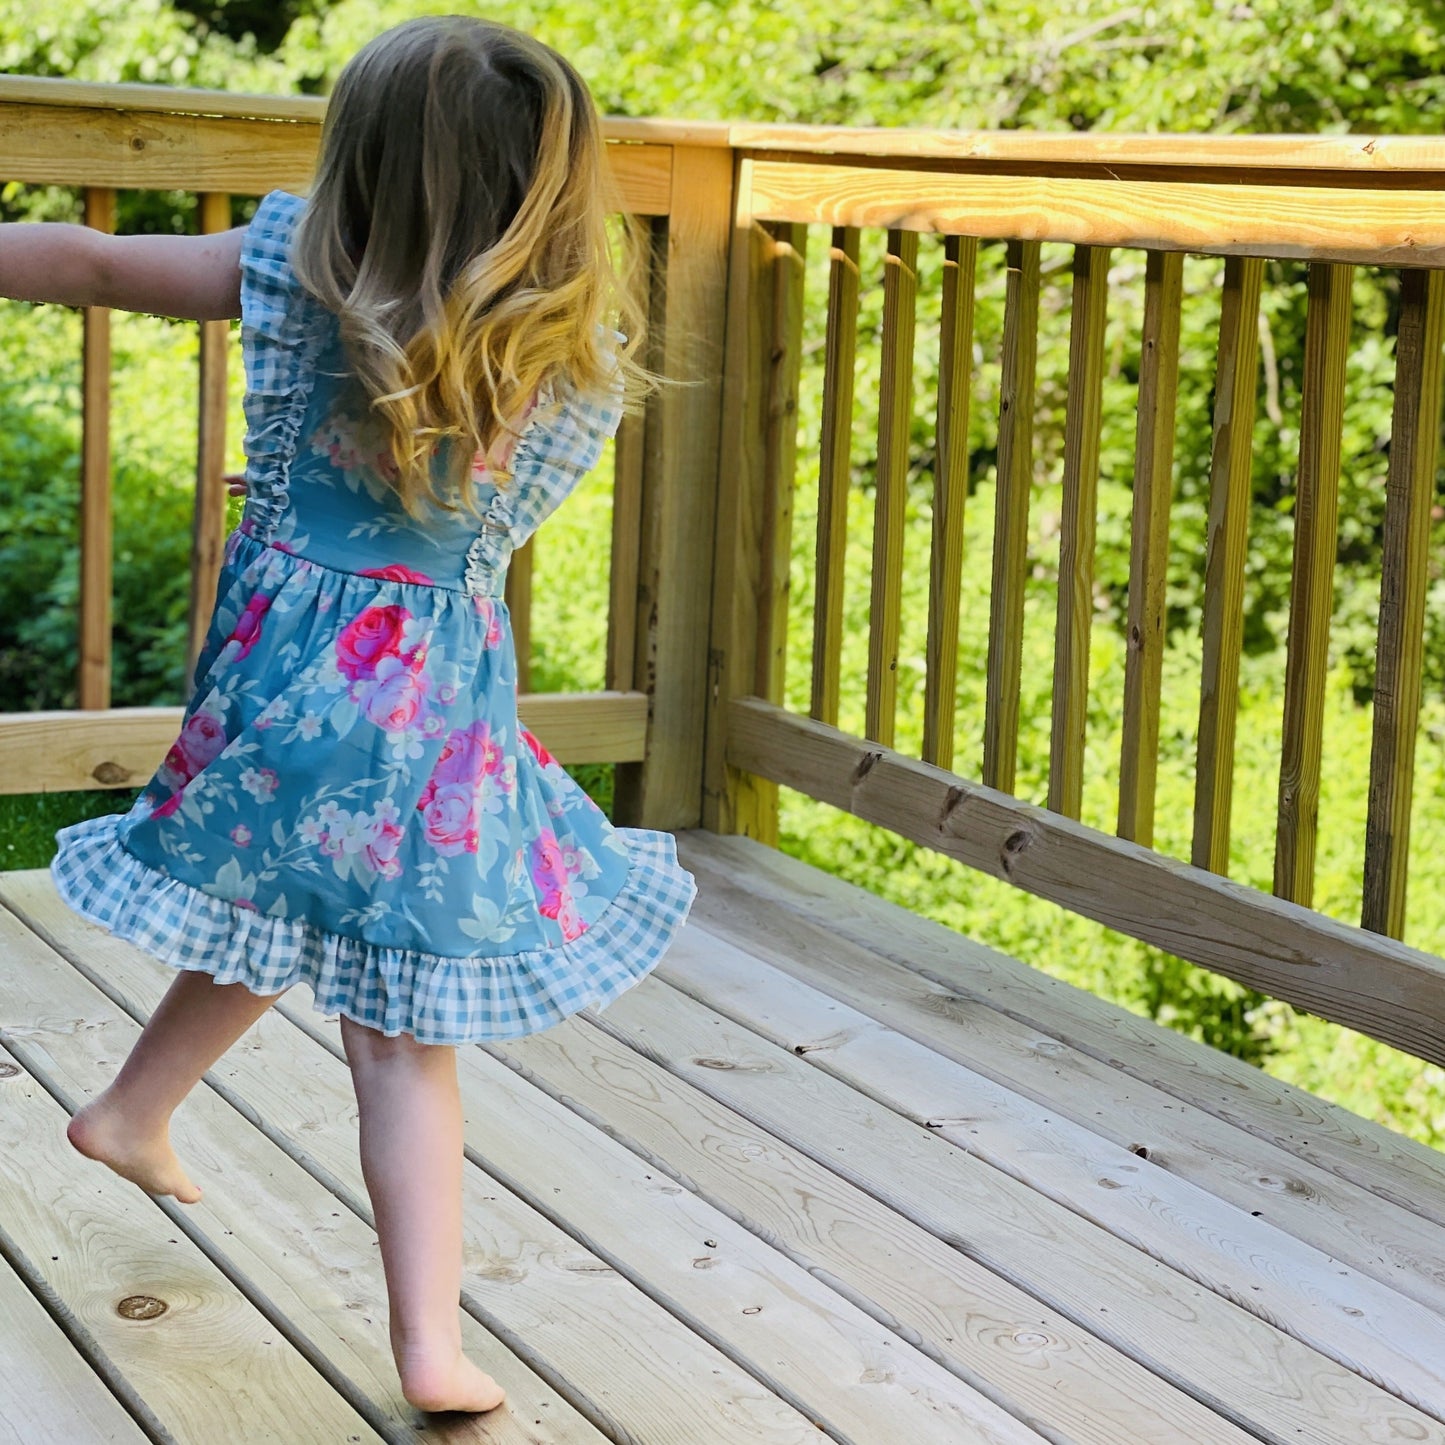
<point>834,1174</point>
<point>1396,1168</point>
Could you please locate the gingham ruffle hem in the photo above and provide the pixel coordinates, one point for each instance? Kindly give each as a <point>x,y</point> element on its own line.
<point>436,999</point>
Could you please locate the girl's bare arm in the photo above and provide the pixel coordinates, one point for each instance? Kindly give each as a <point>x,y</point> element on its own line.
<point>197,277</point>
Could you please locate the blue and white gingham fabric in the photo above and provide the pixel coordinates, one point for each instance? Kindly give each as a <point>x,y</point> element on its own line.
<point>351,802</point>
<point>437,1000</point>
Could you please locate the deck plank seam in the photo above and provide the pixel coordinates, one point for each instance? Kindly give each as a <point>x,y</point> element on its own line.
<point>730,853</point>
<point>385,1425</point>
<point>1405,1266</point>
<point>1432,1411</point>
<point>379,1419</point>
<point>855,1297</point>
<point>479,1312</point>
<point>85,1344</point>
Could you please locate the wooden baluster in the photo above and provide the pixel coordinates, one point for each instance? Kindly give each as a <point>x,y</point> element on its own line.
<point>1230,495</point>
<point>208,525</point>
<point>834,471</point>
<point>790,245</point>
<point>1077,528</point>
<point>895,409</point>
<point>518,595</point>
<point>1311,602</point>
<point>95,510</point>
<point>1011,524</point>
<point>1149,543</point>
<point>1409,494</point>
<point>950,491</point>
<point>628,469</point>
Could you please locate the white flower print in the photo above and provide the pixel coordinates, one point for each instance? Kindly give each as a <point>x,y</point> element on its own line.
<point>309,727</point>
<point>260,783</point>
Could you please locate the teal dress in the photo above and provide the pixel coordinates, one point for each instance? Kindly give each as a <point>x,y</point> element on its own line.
<point>351,802</point>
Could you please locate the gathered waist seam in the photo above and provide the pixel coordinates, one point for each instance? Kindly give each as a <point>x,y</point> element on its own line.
<point>481,579</point>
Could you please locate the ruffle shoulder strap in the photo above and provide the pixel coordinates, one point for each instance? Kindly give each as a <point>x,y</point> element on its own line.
<point>281,330</point>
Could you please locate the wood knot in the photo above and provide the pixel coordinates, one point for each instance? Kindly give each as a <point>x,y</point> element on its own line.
<point>8,1071</point>
<point>866,764</point>
<point>137,143</point>
<point>714,1063</point>
<point>1013,847</point>
<point>1142,1150</point>
<point>110,774</point>
<point>141,1307</point>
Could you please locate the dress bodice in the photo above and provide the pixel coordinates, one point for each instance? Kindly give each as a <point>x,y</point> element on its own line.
<point>318,459</point>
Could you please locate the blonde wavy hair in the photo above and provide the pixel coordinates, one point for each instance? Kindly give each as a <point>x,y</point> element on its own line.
<point>458,228</point>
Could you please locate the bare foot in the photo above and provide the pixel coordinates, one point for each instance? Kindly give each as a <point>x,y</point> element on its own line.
<point>438,1384</point>
<point>99,1131</point>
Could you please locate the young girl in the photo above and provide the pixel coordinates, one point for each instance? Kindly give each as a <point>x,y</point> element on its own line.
<point>351,802</point>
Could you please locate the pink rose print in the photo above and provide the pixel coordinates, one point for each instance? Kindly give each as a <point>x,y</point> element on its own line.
<point>202,741</point>
<point>395,696</point>
<point>248,625</point>
<point>451,802</point>
<point>538,751</point>
<point>450,815</point>
<point>468,755</point>
<point>241,836</point>
<point>553,882</point>
<point>397,573</point>
<point>374,634</point>
<point>170,805</point>
<point>487,611</point>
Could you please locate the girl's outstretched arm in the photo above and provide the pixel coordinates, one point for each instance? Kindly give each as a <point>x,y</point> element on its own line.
<point>197,277</point>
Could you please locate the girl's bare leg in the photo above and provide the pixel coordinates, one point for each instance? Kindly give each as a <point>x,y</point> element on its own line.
<point>128,1126</point>
<point>411,1159</point>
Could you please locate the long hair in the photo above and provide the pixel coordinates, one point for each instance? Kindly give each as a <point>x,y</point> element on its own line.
<point>458,229</point>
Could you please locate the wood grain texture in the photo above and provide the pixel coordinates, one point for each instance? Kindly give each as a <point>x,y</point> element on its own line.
<point>97,1241</point>
<point>1248,1206</point>
<point>1409,496</point>
<point>1376,985</point>
<point>44,752</point>
<point>834,471</point>
<point>208,524</point>
<point>246,152</point>
<point>1231,476</point>
<point>1312,578</point>
<point>643,243</point>
<point>47,1391</point>
<point>1369,226</point>
<point>1149,543</point>
<point>950,491</point>
<point>1304,1127</point>
<point>1015,479</point>
<point>1256,1377</point>
<point>999,1339</point>
<point>895,416</point>
<point>800,1338</point>
<point>912,1054</point>
<point>780,451</point>
<point>286,1241</point>
<point>733,801</point>
<point>1077,527</point>
<point>93,681</point>
<point>680,496</point>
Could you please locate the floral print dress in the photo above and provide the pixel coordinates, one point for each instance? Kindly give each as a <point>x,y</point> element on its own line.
<point>351,801</point>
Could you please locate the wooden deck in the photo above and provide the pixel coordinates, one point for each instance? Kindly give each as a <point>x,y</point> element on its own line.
<point>833,1173</point>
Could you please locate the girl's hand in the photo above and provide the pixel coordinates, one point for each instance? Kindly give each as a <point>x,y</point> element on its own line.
<point>235,484</point>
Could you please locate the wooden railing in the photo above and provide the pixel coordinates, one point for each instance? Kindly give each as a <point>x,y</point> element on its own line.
<point>707,480</point>
<point>1332,204</point>
<point>102,139</point>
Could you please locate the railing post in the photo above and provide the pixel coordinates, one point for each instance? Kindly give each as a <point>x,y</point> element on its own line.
<point>93,683</point>
<point>208,529</point>
<point>679,482</point>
